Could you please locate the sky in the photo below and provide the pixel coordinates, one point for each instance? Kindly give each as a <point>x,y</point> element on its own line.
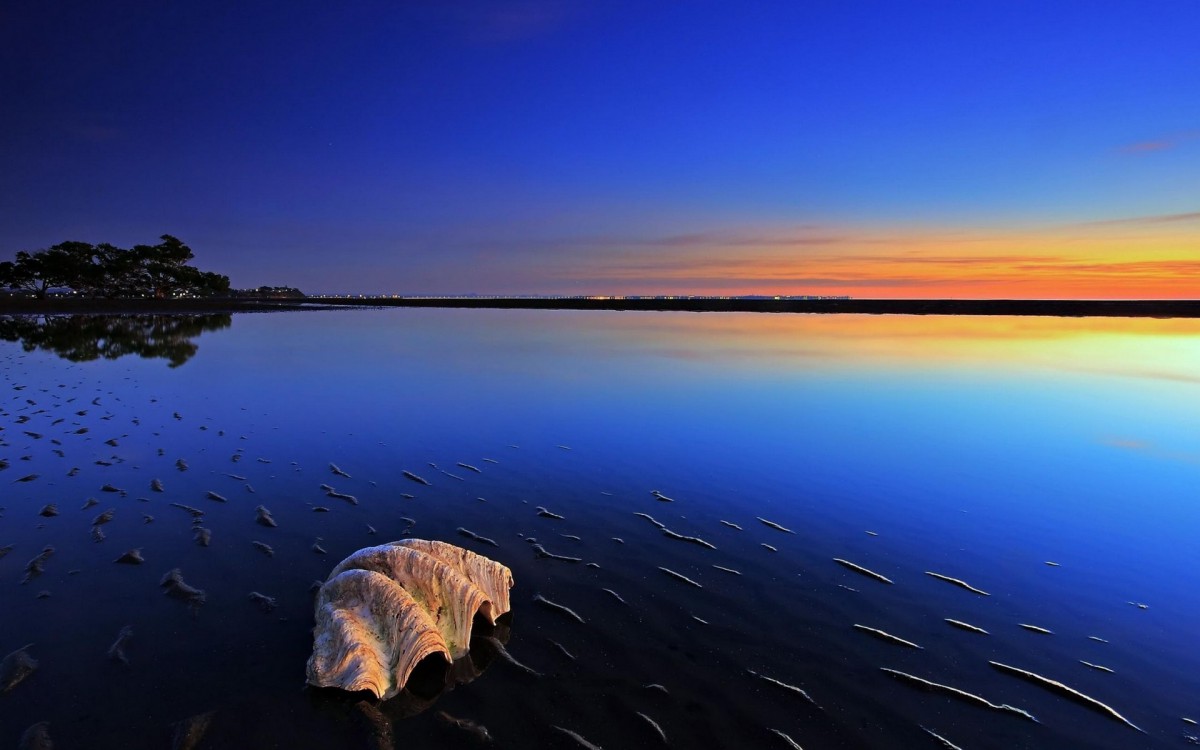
<point>874,149</point>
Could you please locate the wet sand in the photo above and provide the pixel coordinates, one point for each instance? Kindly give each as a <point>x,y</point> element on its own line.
<point>626,649</point>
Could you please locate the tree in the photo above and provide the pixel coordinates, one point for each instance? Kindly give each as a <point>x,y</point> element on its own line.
<point>160,270</point>
<point>106,270</point>
<point>41,271</point>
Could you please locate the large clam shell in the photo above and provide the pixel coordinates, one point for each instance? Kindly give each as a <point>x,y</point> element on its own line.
<point>384,609</point>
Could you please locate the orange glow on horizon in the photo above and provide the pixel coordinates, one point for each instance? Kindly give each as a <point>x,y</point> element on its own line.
<point>1150,258</point>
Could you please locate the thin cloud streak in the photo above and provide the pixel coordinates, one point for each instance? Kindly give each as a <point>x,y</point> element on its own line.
<point>719,239</point>
<point>1165,268</point>
<point>1058,261</point>
<point>873,266</point>
<point>682,270</point>
<point>1152,219</point>
<point>1165,143</point>
<point>1173,377</point>
<point>749,283</point>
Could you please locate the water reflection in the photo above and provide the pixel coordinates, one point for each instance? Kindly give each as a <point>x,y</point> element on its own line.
<point>978,448</point>
<point>83,338</point>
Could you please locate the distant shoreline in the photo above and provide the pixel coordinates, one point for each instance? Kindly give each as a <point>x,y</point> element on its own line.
<point>1048,308</point>
<point>71,306</point>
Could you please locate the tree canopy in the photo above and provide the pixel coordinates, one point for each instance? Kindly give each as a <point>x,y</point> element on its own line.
<point>106,270</point>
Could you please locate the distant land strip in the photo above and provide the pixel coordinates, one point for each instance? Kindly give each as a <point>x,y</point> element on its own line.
<point>1068,308</point>
<point>1056,308</point>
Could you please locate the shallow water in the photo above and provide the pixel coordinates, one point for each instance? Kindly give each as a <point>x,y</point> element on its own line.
<point>979,449</point>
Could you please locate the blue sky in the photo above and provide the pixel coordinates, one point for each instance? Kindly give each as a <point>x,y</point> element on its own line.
<point>568,146</point>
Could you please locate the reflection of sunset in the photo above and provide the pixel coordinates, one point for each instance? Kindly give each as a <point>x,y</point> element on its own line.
<point>1167,349</point>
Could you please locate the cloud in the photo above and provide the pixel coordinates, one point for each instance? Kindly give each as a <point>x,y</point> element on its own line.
<point>1164,375</point>
<point>1145,147</point>
<point>1150,449</point>
<point>1127,443</point>
<point>953,260</point>
<point>1146,220</point>
<point>1027,275</point>
<point>94,133</point>
<point>905,261</point>
<point>1160,144</point>
<point>1168,268</point>
<point>514,21</point>
<point>873,268</point>
<point>737,277</point>
<point>701,240</point>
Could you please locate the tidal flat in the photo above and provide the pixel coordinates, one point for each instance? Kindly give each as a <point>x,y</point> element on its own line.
<point>725,529</point>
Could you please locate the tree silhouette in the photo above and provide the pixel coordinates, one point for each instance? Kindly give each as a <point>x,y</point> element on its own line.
<point>41,271</point>
<point>106,270</point>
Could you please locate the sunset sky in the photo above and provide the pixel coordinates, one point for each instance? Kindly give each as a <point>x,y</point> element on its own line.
<point>876,149</point>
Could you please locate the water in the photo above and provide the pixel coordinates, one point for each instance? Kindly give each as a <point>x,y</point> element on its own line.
<point>977,448</point>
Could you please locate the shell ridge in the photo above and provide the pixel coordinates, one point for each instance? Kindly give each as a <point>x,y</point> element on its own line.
<point>385,608</point>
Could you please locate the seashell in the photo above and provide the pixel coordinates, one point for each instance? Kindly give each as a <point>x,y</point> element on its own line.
<point>781,735</point>
<point>502,652</point>
<point>264,548</point>
<point>15,667</point>
<point>477,731</point>
<point>1055,686</point>
<point>37,737</point>
<point>579,739</point>
<point>116,652</point>
<point>131,557</point>
<point>36,566</point>
<point>190,731</point>
<point>775,526</point>
<point>384,609</point>
<point>540,553</point>
<point>472,535</point>
<point>967,626</point>
<point>936,687</point>
<point>266,603</point>
<point>331,492</point>
<point>175,586</point>
<point>885,636</point>
<point>334,468</point>
<point>957,582</point>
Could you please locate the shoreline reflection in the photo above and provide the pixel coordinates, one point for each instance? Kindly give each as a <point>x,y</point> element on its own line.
<point>84,338</point>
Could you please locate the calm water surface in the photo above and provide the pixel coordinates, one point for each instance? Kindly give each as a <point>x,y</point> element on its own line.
<point>980,449</point>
